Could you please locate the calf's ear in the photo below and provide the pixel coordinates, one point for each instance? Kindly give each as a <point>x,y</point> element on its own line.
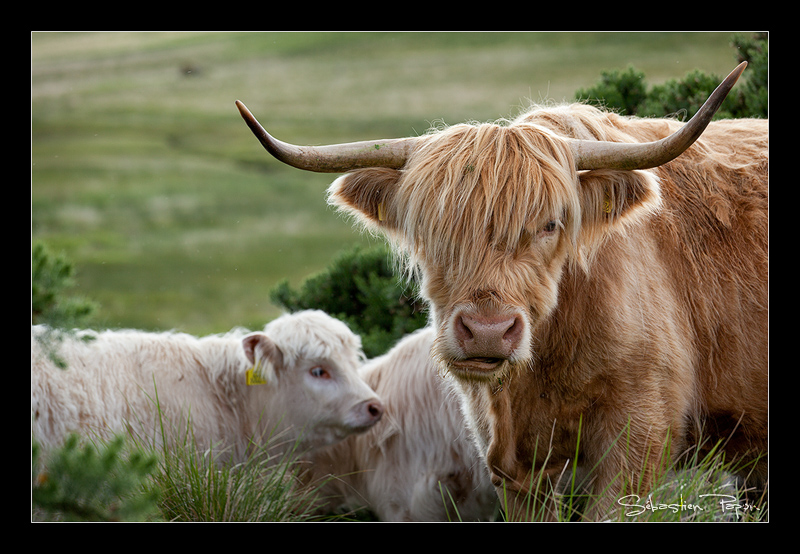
<point>612,201</point>
<point>265,356</point>
<point>367,195</point>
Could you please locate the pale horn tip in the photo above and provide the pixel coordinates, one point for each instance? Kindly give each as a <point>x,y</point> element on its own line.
<point>248,117</point>
<point>242,108</point>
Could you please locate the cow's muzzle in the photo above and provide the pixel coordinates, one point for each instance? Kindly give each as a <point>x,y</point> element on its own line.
<point>485,343</point>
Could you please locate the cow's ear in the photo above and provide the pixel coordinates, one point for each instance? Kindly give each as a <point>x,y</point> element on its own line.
<point>367,194</point>
<point>612,200</point>
<point>265,357</point>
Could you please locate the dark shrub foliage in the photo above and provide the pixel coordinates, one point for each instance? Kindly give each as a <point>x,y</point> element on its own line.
<point>360,288</point>
<point>626,91</point>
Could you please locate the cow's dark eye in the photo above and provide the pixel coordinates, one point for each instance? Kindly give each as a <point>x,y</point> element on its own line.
<point>550,227</point>
<point>319,372</point>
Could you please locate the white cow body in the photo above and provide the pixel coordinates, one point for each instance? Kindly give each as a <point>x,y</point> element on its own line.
<point>137,382</point>
<point>420,463</point>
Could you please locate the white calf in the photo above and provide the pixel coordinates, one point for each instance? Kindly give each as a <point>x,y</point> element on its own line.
<point>420,463</point>
<point>133,381</point>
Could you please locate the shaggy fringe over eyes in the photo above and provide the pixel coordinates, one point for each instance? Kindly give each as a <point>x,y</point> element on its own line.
<point>474,188</point>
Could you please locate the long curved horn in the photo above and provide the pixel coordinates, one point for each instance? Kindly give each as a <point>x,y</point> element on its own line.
<point>336,158</point>
<point>614,155</point>
<point>393,153</point>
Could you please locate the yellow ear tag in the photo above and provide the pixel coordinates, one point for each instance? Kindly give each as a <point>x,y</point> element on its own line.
<point>607,207</point>
<point>381,212</point>
<point>254,378</point>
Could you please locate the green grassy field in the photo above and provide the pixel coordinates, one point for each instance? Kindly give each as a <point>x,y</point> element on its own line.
<point>145,175</point>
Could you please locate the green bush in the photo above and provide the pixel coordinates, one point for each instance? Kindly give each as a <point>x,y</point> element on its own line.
<point>686,96</point>
<point>626,91</point>
<point>622,91</point>
<point>360,288</point>
<point>51,276</point>
<point>84,482</point>
<point>755,90</point>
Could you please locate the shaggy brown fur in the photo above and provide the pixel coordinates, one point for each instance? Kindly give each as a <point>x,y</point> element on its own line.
<point>640,297</point>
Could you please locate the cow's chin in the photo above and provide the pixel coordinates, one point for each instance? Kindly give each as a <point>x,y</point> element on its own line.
<point>479,369</point>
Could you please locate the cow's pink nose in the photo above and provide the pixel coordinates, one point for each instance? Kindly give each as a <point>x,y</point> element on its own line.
<point>495,336</point>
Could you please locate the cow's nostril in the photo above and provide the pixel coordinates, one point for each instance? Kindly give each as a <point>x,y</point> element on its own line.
<point>375,409</point>
<point>463,330</point>
<point>514,333</point>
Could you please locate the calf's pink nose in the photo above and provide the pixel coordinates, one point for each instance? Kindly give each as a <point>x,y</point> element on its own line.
<point>370,412</point>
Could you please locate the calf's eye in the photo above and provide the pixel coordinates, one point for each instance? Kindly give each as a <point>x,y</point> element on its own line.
<point>319,372</point>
